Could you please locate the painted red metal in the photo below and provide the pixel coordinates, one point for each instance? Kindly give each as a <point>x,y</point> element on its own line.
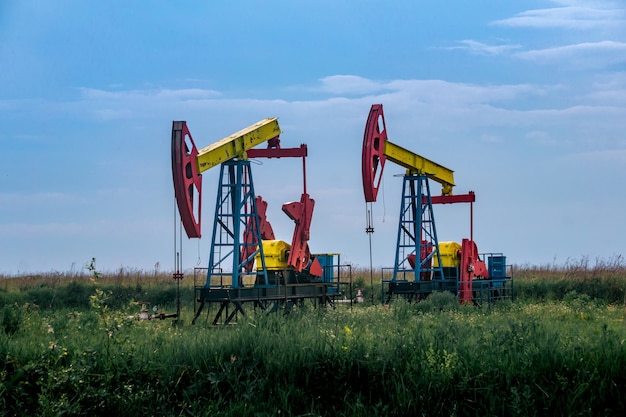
<point>466,270</point>
<point>451,199</point>
<point>277,152</point>
<point>300,212</point>
<point>373,157</point>
<point>471,267</point>
<point>187,178</point>
<point>267,233</point>
<point>461,198</point>
<point>426,250</point>
<point>316,268</point>
<point>249,235</point>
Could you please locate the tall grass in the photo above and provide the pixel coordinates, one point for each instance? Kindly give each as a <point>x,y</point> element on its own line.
<point>82,352</point>
<point>55,290</point>
<point>602,279</point>
<point>431,358</point>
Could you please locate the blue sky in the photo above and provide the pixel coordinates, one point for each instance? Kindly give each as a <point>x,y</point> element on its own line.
<point>524,100</point>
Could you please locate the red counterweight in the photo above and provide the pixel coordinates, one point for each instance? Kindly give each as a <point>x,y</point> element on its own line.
<point>187,178</point>
<point>373,153</point>
<point>425,251</point>
<point>299,255</point>
<point>249,235</point>
<point>471,267</point>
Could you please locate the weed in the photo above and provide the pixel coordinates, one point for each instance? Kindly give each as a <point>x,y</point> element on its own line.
<point>11,319</point>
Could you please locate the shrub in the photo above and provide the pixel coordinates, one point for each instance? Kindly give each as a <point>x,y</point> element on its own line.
<point>11,319</point>
<point>439,301</point>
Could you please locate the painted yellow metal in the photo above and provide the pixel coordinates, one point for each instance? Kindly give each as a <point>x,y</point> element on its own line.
<point>449,252</point>
<point>416,164</point>
<point>236,145</point>
<point>276,255</point>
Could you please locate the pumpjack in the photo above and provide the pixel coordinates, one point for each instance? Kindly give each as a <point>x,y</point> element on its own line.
<point>422,264</point>
<point>247,264</point>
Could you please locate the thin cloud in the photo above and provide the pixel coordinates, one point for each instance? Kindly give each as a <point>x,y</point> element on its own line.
<point>617,97</point>
<point>112,105</point>
<point>107,115</point>
<point>100,228</point>
<point>597,156</point>
<point>350,84</point>
<point>487,138</point>
<point>479,48</point>
<point>543,138</point>
<point>588,54</point>
<point>181,94</point>
<point>43,199</point>
<point>572,16</point>
<point>439,91</point>
<point>609,90</point>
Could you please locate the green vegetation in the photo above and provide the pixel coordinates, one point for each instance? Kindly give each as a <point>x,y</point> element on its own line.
<point>601,280</point>
<point>70,345</point>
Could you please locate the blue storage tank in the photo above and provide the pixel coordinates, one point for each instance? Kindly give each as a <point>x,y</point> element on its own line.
<point>496,265</point>
<point>328,263</point>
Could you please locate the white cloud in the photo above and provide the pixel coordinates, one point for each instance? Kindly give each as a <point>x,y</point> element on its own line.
<point>543,138</point>
<point>434,108</point>
<point>33,230</point>
<point>588,54</point>
<point>349,84</point>
<point>43,199</point>
<point>107,115</point>
<point>609,89</point>
<point>574,15</point>
<point>171,94</point>
<point>480,48</point>
<point>602,156</point>
<point>65,227</point>
<point>487,138</point>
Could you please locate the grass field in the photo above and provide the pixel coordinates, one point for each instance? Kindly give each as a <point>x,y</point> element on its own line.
<point>70,345</point>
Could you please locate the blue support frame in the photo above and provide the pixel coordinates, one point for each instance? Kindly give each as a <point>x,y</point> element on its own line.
<point>234,208</point>
<point>417,233</point>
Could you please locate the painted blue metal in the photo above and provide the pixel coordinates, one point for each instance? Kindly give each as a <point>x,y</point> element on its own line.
<point>330,263</point>
<point>417,233</point>
<point>496,265</point>
<point>327,262</point>
<point>235,213</point>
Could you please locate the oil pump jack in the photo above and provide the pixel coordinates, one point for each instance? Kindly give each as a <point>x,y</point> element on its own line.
<point>242,237</point>
<point>424,265</point>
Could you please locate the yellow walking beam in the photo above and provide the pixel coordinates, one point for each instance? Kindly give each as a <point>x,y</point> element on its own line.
<point>236,145</point>
<point>416,164</point>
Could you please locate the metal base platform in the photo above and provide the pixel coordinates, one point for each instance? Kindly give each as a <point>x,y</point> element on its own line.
<point>484,291</point>
<point>230,301</point>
